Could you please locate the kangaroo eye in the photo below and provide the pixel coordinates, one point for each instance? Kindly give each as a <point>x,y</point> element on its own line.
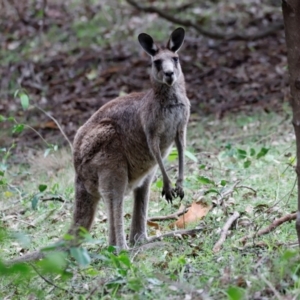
<point>175,59</point>
<point>157,64</point>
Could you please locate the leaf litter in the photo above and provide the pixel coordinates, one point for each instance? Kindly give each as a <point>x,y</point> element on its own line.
<point>71,82</point>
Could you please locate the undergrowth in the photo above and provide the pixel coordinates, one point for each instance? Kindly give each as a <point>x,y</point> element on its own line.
<point>256,150</point>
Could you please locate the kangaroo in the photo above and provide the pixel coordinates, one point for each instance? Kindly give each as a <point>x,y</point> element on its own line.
<point>120,147</point>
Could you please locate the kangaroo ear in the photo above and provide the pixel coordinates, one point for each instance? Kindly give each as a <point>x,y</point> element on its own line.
<point>147,44</point>
<point>176,39</point>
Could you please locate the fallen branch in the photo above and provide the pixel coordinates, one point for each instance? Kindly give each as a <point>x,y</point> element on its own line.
<point>169,217</point>
<point>224,231</point>
<point>176,233</point>
<point>211,34</point>
<point>270,228</point>
<point>31,256</point>
<point>54,198</point>
<point>262,244</point>
<point>148,246</point>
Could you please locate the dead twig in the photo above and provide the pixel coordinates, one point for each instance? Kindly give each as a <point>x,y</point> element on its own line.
<point>47,280</point>
<point>30,225</point>
<point>270,285</point>
<point>136,250</point>
<point>169,217</point>
<point>269,228</point>
<point>54,198</point>
<point>262,244</point>
<point>58,125</point>
<point>247,187</point>
<point>224,231</point>
<point>226,193</point>
<point>211,34</point>
<point>176,233</point>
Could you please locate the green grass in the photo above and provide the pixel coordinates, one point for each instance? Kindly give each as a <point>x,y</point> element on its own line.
<point>180,268</point>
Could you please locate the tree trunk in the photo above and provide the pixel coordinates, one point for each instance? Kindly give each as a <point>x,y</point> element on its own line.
<point>291,16</point>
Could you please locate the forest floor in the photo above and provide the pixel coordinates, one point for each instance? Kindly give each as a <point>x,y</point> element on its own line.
<point>240,166</point>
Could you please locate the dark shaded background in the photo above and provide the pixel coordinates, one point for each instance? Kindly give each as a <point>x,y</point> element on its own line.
<point>72,57</point>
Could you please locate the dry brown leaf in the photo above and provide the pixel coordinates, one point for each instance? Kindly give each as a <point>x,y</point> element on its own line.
<point>46,125</point>
<point>197,211</point>
<point>154,224</point>
<point>110,71</point>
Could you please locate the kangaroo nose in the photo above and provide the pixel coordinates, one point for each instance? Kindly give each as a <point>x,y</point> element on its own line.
<point>169,73</point>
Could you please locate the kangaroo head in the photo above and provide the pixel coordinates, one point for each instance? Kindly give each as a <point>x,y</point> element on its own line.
<point>166,68</point>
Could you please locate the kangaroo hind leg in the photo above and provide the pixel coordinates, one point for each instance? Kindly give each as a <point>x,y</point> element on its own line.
<point>112,187</point>
<point>138,231</point>
<point>85,208</point>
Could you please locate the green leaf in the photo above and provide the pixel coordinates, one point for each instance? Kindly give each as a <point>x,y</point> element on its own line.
<point>22,238</point>
<point>111,249</point>
<point>252,152</point>
<point>1,173</point>
<point>81,255</point>
<point>247,164</point>
<point>55,262</point>
<point>135,284</point>
<point>47,151</point>
<point>2,118</point>
<point>16,93</point>
<point>24,101</point>
<point>263,151</point>
<point>22,269</point>
<point>223,182</point>
<point>204,180</point>
<point>173,155</point>
<point>92,272</point>
<point>235,293</point>
<point>190,155</point>
<point>42,187</point>
<point>123,258</point>
<point>241,154</point>
<point>34,201</point>
<point>212,191</point>
<point>228,146</point>
<point>115,283</point>
<point>3,166</point>
<point>18,128</point>
<point>159,183</point>
<point>68,237</point>
<point>288,254</point>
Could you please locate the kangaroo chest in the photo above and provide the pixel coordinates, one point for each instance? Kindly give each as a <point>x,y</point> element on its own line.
<point>173,117</point>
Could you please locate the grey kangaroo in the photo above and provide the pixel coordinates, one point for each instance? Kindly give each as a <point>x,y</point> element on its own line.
<point>120,147</point>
